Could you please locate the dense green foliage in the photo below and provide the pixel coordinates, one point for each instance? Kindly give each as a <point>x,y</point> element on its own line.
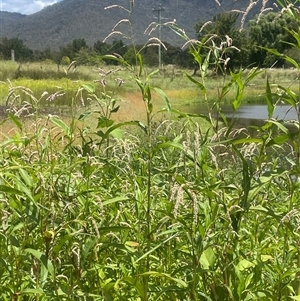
<point>177,207</point>
<point>270,31</point>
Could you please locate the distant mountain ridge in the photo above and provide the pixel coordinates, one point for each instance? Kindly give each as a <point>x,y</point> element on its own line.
<point>61,23</point>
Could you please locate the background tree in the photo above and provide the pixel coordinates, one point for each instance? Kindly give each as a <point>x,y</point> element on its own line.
<point>269,31</point>
<point>171,54</point>
<point>78,44</point>
<point>72,49</point>
<point>130,55</point>
<point>150,56</point>
<point>101,47</point>
<point>224,29</point>
<point>117,47</point>
<point>22,52</point>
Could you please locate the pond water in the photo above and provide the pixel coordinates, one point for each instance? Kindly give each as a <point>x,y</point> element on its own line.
<point>248,114</point>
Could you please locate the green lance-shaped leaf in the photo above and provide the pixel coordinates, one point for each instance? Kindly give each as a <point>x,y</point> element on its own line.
<point>267,211</point>
<point>151,74</point>
<point>118,125</point>
<point>236,78</point>
<point>141,65</point>
<point>204,67</point>
<point>137,285</point>
<point>279,140</point>
<point>46,263</point>
<point>32,291</point>
<point>283,56</point>
<point>208,259</point>
<point>16,121</point>
<point>88,87</point>
<point>244,264</point>
<point>115,200</point>
<point>115,58</point>
<point>247,140</point>
<point>61,125</point>
<point>164,275</point>
<point>7,189</point>
<point>288,96</point>
<point>104,122</point>
<point>196,82</point>
<point>162,94</point>
<point>269,100</point>
<point>252,74</point>
<point>26,177</point>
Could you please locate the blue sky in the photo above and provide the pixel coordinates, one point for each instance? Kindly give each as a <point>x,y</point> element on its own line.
<point>25,7</point>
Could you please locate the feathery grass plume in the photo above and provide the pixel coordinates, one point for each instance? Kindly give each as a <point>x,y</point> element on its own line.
<point>287,217</point>
<point>72,64</point>
<point>117,55</point>
<point>264,9</point>
<point>120,22</point>
<point>279,15</point>
<point>95,227</point>
<point>218,2</point>
<point>151,27</point>
<point>262,12</point>
<point>55,95</point>
<point>111,34</point>
<point>162,222</point>
<point>119,81</point>
<point>173,22</point>
<point>235,48</point>
<point>154,25</point>
<point>264,4</point>
<point>248,9</point>
<point>112,234</point>
<point>5,214</point>
<point>154,39</point>
<point>152,45</point>
<point>177,196</point>
<point>125,224</point>
<point>210,38</point>
<point>99,201</point>
<point>117,6</point>
<point>228,40</point>
<point>76,252</point>
<point>204,25</point>
<point>226,62</point>
<point>287,9</point>
<point>238,11</point>
<point>161,125</point>
<point>189,42</point>
<point>152,42</point>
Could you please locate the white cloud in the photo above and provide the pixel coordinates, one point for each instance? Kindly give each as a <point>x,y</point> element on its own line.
<point>25,7</point>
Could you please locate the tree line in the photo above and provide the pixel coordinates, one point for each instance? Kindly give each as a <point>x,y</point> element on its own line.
<point>248,47</point>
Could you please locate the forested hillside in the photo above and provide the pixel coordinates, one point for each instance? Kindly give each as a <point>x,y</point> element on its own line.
<point>59,24</point>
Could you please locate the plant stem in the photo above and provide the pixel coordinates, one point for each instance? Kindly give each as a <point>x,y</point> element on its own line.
<point>148,212</point>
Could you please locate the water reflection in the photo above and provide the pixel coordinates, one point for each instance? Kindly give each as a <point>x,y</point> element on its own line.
<point>248,114</point>
<point>259,112</point>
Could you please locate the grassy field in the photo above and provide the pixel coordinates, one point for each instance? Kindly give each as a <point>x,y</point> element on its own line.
<point>45,76</point>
